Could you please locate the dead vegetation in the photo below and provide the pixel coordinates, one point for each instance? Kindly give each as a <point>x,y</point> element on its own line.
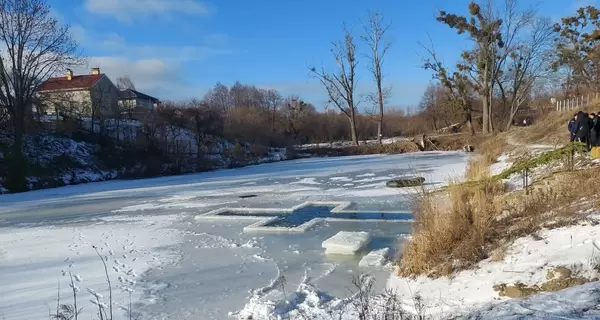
<point>479,220</point>
<point>489,150</point>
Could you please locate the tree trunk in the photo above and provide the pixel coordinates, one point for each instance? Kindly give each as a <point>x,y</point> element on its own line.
<point>380,122</point>
<point>199,157</point>
<point>511,117</point>
<point>490,114</point>
<point>469,121</point>
<point>485,115</point>
<point>379,135</point>
<point>18,117</point>
<point>18,132</point>
<point>353,128</point>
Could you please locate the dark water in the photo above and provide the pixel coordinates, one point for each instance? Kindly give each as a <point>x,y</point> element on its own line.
<point>306,214</point>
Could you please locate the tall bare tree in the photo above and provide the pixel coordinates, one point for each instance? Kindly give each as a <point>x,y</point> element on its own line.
<point>375,31</point>
<point>273,101</point>
<point>340,85</point>
<point>528,60</point>
<point>33,46</point>
<point>125,82</point>
<point>485,31</point>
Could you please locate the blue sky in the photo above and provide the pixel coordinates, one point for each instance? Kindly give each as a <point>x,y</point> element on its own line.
<point>177,49</point>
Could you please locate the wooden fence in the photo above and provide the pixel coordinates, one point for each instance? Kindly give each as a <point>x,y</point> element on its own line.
<point>575,102</point>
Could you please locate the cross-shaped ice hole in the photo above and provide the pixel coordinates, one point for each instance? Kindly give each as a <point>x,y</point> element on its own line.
<point>304,216</point>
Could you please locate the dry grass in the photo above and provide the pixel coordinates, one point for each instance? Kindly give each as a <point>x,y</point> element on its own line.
<point>489,150</point>
<point>478,220</point>
<point>444,235</point>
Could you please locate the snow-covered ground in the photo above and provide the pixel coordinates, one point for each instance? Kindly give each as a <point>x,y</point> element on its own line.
<point>345,144</point>
<point>181,268</point>
<point>527,261</point>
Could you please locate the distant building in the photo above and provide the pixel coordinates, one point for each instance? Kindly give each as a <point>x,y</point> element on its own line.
<point>85,95</point>
<point>136,104</point>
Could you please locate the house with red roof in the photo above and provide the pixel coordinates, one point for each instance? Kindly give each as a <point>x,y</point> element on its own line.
<point>87,95</point>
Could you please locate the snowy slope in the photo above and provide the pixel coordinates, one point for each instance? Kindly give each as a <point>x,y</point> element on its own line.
<point>580,302</point>
<point>527,261</point>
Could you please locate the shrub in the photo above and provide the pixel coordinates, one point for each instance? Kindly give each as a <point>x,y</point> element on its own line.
<point>15,167</point>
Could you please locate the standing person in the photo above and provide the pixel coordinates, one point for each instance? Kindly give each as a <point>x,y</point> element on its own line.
<point>582,127</point>
<point>572,127</point>
<point>595,136</point>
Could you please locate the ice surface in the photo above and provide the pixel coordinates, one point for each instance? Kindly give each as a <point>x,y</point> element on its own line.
<point>345,242</point>
<point>375,258</point>
<point>35,263</point>
<point>217,265</point>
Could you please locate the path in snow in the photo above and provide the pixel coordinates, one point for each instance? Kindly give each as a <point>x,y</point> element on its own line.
<point>217,265</point>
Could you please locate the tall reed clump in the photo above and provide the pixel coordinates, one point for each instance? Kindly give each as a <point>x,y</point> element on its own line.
<point>452,235</point>
<point>489,150</point>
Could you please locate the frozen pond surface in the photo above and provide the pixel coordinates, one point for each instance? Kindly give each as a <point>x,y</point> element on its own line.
<point>189,269</point>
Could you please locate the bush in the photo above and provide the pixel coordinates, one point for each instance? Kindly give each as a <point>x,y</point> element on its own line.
<point>16,168</point>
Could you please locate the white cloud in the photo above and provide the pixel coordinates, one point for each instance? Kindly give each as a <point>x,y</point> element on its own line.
<point>214,45</point>
<point>129,10</point>
<point>157,70</point>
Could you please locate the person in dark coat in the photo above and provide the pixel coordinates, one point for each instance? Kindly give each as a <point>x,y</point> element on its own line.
<point>593,135</point>
<point>582,127</point>
<point>572,127</point>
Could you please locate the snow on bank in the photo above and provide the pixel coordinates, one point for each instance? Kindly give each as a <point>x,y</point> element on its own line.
<point>345,144</point>
<point>580,302</point>
<point>35,261</point>
<point>308,302</point>
<point>526,261</point>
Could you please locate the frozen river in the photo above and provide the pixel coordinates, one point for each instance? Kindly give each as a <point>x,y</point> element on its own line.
<point>172,266</point>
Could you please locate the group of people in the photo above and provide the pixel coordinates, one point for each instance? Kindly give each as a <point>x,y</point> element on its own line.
<point>585,128</point>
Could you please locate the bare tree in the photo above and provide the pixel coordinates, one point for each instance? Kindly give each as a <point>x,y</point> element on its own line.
<point>205,122</point>
<point>297,115</point>
<point>125,82</point>
<point>273,100</point>
<point>340,86</point>
<point>34,47</point>
<point>527,62</point>
<point>456,83</point>
<point>484,30</point>
<point>437,107</point>
<point>219,97</point>
<point>374,36</point>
